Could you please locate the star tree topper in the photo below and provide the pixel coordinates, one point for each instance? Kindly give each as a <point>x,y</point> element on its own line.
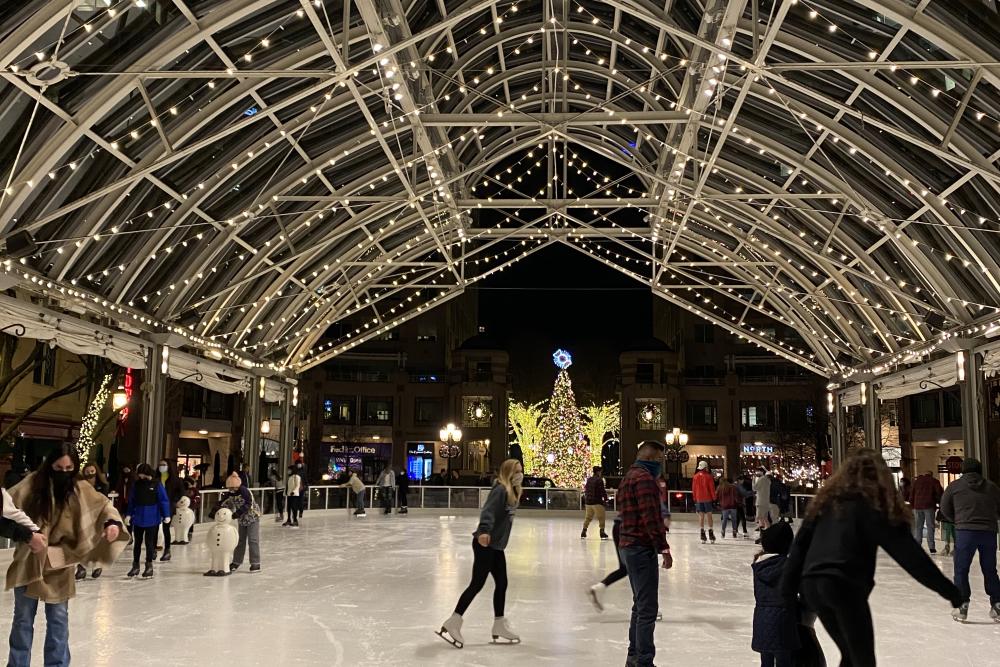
<point>562,359</point>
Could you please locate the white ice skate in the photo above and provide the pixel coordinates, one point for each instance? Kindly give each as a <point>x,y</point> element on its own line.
<point>502,634</point>
<point>594,594</point>
<point>960,614</point>
<point>451,631</point>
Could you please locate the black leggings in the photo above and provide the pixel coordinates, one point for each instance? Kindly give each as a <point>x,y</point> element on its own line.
<point>486,562</point>
<point>846,616</point>
<point>620,573</point>
<point>741,517</point>
<point>149,534</point>
<point>166,538</point>
<point>294,508</point>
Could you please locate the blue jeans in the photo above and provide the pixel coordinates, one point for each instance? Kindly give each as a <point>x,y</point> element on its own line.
<point>729,515</point>
<point>967,543</point>
<point>644,577</point>
<point>22,630</point>
<point>921,517</point>
<point>359,500</point>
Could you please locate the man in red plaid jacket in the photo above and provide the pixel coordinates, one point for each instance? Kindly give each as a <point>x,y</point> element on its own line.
<point>643,536</point>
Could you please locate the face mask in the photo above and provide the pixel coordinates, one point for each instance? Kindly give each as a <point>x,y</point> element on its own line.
<point>62,480</point>
<point>89,475</point>
<point>652,467</point>
<point>162,468</point>
<point>517,478</point>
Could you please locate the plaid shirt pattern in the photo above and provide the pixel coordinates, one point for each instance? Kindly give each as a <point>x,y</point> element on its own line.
<point>639,508</point>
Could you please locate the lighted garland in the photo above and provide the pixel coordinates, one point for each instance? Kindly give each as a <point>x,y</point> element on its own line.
<point>89,424</point>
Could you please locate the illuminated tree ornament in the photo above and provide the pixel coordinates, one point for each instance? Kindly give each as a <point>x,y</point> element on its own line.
<point>567,453</point>
<point>562,359</point>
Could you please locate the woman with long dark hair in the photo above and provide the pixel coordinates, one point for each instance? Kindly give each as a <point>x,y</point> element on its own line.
<point>174,486</point>
<point>832,562</point>
<point>488,544</point>
<point>80,525</point>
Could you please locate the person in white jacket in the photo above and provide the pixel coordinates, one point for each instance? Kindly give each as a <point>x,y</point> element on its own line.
<point>387,489</point>
<point>293,497</point>
<point>767,512</point>
<point>17,526</point>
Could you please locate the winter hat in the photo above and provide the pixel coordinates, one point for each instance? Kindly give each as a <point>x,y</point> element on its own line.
<point>972,465</point>
<point>234,481</point>
<point>777,539</point>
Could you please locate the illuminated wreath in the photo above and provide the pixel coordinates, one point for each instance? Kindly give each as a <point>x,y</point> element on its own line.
<point>650,414</point>
<point>479,411</point>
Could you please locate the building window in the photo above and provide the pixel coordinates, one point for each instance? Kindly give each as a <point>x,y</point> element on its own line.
<point>952,408</point>
<point>482,371</point>
<point>339,410</point>
<point>925,410</point>
<point>378,410</point>
<point>795,415</point>
<point>427,332</point>
<point>650,414</point>
<point>644,373</point>
<point>45,365</point>
<point>702,415</point>
<point>756,415</point>
<point>477,411</point>
<point>704,332</point>
<point>428,411</point>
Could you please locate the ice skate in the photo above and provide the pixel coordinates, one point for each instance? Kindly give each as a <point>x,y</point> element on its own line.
<point>659,615</point>
<point>995,612</point>
<point>960,614</point>
<point>583,534</point>
<point>148,572</point>
<point>451,631</point>
<point>704,540</point>
<point>604,536</point>
<point>81,572</point>
<point>134,571</point>
<point>403,510</point>
<point>711,536</point>
<point>947,550</point>
<point>734,535</point>
<point>96,573</point>
<point>502,634</point>
<point>165,558</point>
<point>595,593</point>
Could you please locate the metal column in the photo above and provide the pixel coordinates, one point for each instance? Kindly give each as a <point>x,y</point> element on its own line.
<point>154,401</point>
<point>287,436</point>
<point>838,445</point>
<point>973,409</point>
<point>251,430</point>
<point>873,417</point>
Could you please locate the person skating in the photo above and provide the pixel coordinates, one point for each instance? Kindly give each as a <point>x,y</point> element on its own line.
<point>973,505</point>
<point>745,505</point>
<point>293,497</point>
<point>279,492</point>
<point>174,486</point>
<point>925,494</point>
<point>729,499</point>
<point>775,617</point>
<point>703,494</point>
<point>93,475</point>
<point>832,561</point>
<point>358,487</point>
<point>148,507</point>
<point>77,524</point>
<point>402,490</point>
<point>387,489</point>
<point>947,533</point>
<point>246,514</point>
<point>643,536</point>
<point>595,497</point>
<point>488,544</point>
<point>17,526</point>
<point>767,512</point>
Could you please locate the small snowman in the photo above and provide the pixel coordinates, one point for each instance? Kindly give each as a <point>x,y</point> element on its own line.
<point>183,520</point>
<point>221,540</point>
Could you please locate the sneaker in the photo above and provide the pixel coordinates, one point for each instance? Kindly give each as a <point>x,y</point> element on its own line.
<point>583,534</point>
<point>960,614</point>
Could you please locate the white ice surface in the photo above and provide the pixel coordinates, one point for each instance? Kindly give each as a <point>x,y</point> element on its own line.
<point>371,591</point>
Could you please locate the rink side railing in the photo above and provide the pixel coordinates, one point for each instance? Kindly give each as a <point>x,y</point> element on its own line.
<point>445,498</point>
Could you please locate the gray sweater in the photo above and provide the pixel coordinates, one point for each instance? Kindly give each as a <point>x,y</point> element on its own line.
<point>972,503</point>
<point>496,518</point>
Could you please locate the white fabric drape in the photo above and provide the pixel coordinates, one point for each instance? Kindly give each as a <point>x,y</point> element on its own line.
<point>943,372</point>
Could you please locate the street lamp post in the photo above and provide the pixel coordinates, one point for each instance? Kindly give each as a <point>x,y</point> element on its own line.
<point>450,435</point>
<point>675,441</point>
<point>675,436</point>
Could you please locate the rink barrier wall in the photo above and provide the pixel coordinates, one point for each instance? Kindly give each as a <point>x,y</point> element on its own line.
<point>446,497</point>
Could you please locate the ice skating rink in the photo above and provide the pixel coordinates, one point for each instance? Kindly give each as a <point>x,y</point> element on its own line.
<point>340,591</point>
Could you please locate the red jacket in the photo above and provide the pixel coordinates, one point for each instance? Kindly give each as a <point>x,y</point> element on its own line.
<point>729,497</point>
<point>925,493</point>
<point>703,487</point>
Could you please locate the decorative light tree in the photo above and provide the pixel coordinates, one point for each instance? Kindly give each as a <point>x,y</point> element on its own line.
<point>526,425</point>
<point>88,425</point>
<point>601,420</point>
<point>566,454</point>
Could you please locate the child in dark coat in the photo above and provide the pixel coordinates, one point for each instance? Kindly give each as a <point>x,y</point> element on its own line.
<point>148,507</point>
<point>775,618</point>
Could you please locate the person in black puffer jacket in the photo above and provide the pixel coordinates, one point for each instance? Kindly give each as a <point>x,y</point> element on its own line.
<point>775,617</point>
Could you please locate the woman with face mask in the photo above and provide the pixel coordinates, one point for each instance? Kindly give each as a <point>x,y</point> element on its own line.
<point>93,475</point>
<point>488,544</point>
<point>80,525</point>
<point>174,486</point>
<point>148,507</point>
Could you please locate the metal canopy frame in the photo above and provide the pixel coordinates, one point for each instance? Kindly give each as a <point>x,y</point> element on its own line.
<point>303,174</point>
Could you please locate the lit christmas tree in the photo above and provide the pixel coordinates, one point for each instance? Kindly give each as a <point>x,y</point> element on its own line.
<point>565,454</point>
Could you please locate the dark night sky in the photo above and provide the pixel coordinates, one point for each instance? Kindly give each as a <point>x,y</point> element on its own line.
<point>559,297</point>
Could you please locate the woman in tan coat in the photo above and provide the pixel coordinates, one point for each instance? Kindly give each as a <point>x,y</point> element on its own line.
<point>80,526</point>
